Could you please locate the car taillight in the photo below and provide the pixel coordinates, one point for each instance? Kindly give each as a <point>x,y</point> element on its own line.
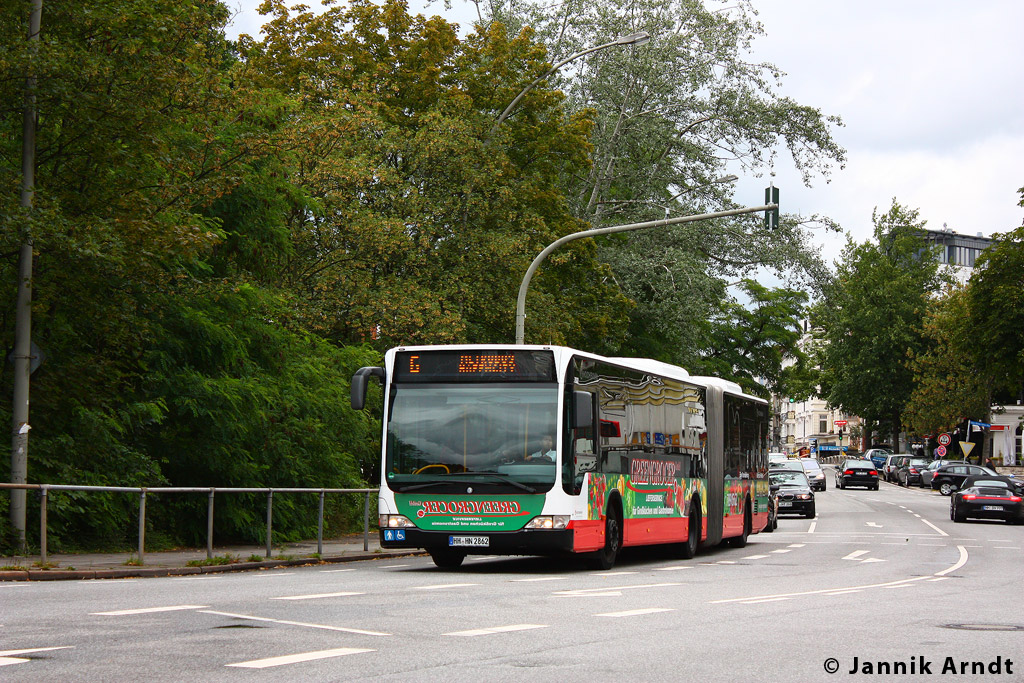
<point>848,472</point>
<point>969,496</point>
<point>912,470</point>
<point>873,472</point>
<point>1015,499</point>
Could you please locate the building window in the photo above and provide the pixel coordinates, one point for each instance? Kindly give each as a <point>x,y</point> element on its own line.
<point>823,424</point>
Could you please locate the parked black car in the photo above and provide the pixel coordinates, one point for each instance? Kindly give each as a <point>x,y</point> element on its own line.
<point>857,473</point>
<point>794,492</point>
<point>987,497</point>
<point>928,472</point>
<point>949,478</point>
<point>910,472</point>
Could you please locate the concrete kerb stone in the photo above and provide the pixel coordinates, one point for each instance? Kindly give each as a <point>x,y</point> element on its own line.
<point>140,572</point>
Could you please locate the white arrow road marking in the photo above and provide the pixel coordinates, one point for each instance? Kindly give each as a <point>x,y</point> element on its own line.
<point>148,610</point>
<point>495,629</point>
<point>855,554</point>
<point>871,559</point>
<point>7,656</point>
<point>294,659</point>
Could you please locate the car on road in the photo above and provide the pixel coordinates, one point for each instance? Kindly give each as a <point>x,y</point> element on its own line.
<point>815,475</point>
<point>910,472</point>
<point>928,472</point>
<point>892,464</point>
<point>777,457</point>
<point>987,497</point>
<point>877,455</point>
<point>857,473</point>
<point>790,464</point>
<point>949,478</point>
<point>794,492</point>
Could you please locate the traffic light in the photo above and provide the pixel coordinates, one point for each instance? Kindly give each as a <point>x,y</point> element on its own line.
<point>771,216</point>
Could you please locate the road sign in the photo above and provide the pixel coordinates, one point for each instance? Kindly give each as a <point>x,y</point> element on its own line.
<point>940,451</point>
<point>840,423</point>
<point>945,439</point>
<point>967,447</point>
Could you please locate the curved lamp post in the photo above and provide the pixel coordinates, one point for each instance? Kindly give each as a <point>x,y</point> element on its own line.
<point>632,39</point>
<point>521,299</point>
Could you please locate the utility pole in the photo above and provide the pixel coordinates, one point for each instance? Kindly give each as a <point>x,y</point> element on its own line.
<point>22,355</point>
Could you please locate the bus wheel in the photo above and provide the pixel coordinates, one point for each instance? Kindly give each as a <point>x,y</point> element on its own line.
<point>741,541</point>
<point>446,558</point>
<point>605,557</point>
<point>689,549</point>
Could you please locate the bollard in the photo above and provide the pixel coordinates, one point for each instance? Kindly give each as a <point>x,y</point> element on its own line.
<point>209,526</point>
<point>142,524</point>
<point>366,523</point>
<point>42,526</point>
<point>270,516</point>
<point>320,528</point>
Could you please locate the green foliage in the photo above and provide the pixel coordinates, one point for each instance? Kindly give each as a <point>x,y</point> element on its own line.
<point>873,316</point>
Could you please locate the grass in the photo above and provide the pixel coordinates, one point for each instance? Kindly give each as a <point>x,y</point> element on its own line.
<point>256,558</point>
<point>133,561</point>
<point>13,568</point>
<point>217,560</point>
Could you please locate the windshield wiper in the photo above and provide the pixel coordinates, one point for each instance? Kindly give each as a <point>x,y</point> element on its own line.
<point>442,482</point>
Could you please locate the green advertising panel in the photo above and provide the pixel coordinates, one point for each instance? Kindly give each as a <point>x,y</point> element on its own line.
<point>469,513</point>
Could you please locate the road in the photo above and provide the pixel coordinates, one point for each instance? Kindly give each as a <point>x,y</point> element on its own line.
<point>877,577</point>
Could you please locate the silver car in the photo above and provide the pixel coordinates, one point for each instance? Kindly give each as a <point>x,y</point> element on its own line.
<point>815,475</point>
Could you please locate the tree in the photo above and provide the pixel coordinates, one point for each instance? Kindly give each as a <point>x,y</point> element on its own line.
<point>946,383</point>
<point>872,319</point>
<point>671,117</point>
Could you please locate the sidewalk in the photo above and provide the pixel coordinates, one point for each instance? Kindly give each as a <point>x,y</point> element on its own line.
<point>176,562</point>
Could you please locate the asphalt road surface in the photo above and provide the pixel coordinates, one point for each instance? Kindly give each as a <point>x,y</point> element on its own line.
<point>878,582</point>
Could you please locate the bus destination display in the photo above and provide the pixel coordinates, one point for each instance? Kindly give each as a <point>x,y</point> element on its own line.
<point>475,366</point>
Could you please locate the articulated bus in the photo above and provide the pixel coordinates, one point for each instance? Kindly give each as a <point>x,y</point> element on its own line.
<point>640,453</point>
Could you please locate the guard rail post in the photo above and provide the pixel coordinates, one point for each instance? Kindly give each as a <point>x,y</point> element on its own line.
<point>209,525</point>
<point>366,523</point>
<point>142,525</point>
<point>320,527</point>
<point>42,525</point>
<point>270,517</point>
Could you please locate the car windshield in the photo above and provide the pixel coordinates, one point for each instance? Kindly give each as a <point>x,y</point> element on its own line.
<point>789,465</point>
<point>986,484</point>
<point>788,478</point>
<point>918,462</point>
<point>811,464</point>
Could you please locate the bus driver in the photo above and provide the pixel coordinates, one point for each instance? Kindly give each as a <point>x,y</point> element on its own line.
<point>546,452</point>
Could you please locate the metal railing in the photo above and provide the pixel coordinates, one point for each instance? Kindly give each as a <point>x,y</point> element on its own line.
<point>211,491</point>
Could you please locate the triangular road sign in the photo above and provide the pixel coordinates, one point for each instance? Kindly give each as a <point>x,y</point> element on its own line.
<point>967,447</point>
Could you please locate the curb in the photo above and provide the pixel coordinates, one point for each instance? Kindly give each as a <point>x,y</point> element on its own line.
<point>141,572</point>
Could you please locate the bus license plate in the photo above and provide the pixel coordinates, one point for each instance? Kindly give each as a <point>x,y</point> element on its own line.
<point>993,508</point>
<point>470,541</point>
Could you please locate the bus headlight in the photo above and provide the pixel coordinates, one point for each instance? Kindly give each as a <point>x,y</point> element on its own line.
<point>548,522</point>
<point>394,522</point>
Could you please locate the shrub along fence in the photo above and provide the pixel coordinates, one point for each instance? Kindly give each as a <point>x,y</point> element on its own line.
<point>211,492</point>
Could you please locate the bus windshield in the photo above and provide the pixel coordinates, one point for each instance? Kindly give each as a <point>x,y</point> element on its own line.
<point>481,434</point>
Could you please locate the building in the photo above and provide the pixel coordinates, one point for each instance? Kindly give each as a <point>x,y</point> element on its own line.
<point>957,251</point>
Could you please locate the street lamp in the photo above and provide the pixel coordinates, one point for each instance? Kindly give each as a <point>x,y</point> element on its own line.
<point>632,39</point>
<point>521,299</point>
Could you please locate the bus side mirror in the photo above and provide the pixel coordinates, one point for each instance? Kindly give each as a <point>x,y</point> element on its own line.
<point>583,409</point>
<point>358,390</point>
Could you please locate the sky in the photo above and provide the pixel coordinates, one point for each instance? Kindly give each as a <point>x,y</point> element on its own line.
<point>930,93</point>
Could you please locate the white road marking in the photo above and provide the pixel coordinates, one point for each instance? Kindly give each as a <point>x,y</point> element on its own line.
<point>673,568</point>
<point>396,566</point>
<point>941,532</point>
<point>782,550</point>
<point>495,629</point>
<point>335,571</point>
<point>148,610</point>
<point>295,659</point>
<point>12,653</point>
<point>726,562</point>
<point>607,574</point>
<point>846,592</point>
<point>196,578</point>
<point>1006,547</point>
<point>855,554</point>
<point>902,585</point>
<point>539,578</point>
<point>7,661</point>
<point>294,623</point>
<point>755,557</point>
<point>270,574</point>
<point>440,586</point>
<point>811,528</point>
<point>961,562</point>
<point>940,578</point>
<point>875,525</point>
<point>754,602</point>
<point>635,612</point>
<point>870,559</point>
<point>796,545</point>
<point>317,596</point>
<point>606,591</point>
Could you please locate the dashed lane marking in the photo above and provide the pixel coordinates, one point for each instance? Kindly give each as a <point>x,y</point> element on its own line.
<point>148,610</point>
<point>442,586</point>
<point>635,612</point>
<point>495,629</point>
<point>325,627</point>
<point>538,578</point>
<point>611,590</point>
<point>673,568</point>
<point>755,557</point>
<point>8,657</point>
<point>295,659</point>
<point>318,596</point>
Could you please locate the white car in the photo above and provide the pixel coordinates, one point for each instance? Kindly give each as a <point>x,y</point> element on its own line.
<point>777,457</point>
<point>815,475</point>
